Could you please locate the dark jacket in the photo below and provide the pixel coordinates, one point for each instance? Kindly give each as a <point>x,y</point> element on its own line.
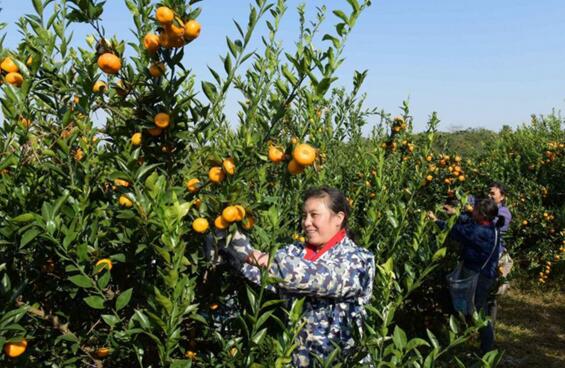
<point>477,242</point>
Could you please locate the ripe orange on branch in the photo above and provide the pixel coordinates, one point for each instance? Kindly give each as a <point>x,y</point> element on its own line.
<point>104,263</point>
<point>192,29</point>
<point>151,42</point>
<point>125,201</point>
<point>102,352</point>
<point>304,154</point>
<point>200,225</point>
<point>294,167</point>
<point>9,66</point>
<point>275,154</point>
<point>193,185</point>
<point>109,63</point>
<point>99,86</point>
<point>14,78</point>
<point>162,120</point>
<point>220,223</point>
<point>136,139</point>
<point>230,214</point>
<point>164,15</point>
<point>216,175</point>
<point>16,348</point>
<point>229,166</point>
<point>157,69</point>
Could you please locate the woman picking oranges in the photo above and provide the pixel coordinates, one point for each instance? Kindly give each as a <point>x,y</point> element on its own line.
<point>333,275</point>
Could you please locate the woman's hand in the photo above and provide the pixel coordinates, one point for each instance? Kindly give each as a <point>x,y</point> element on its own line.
<point>257,258</point>
<point>432,216</point>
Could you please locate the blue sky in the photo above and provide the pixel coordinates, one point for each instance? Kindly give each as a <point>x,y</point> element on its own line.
<point>477,63</point>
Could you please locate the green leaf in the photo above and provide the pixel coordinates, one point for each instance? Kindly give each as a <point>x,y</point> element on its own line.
<point>209,90</point>
<point>440,253</point>
<point>29,236</point>
<point>81,281</point>
<point>258,337</point>
<point>123,299</point>
<point>94,301</point>
<point>110,320</point>
<point>26,217</point>
<point>399,338</point>
<point>341,15</point>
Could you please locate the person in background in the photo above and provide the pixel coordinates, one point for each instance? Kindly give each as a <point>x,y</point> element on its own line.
<point>329,270</point>
<point>479,237</point>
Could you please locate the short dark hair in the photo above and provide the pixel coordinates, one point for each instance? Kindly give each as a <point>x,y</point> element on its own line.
<point>337,202</point>
<point>487,209</point>
<point>500,186</point>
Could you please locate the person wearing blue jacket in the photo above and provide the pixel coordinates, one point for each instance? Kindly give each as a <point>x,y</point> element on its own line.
<point>479,236</point>
<point>332,273</point>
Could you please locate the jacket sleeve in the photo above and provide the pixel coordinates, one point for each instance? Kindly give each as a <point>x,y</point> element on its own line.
<point>462,230</point>
<point>505,212</point>
<point>339,278</point>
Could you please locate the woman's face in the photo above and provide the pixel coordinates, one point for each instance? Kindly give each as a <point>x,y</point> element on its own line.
<point>494,194</point>
<point>319,222</point>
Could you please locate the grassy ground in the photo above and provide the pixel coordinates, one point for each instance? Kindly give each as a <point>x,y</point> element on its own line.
<point>530,328</point>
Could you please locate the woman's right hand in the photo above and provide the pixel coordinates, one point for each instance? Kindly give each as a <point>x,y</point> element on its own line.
<point>432,216</point>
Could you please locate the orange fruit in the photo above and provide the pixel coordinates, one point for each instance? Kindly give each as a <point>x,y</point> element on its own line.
<point>220,223</point>
<point>29,61</point>
<point>121,183</point>
<point>109,63</point>
<point>193,185</point>
<point>164,15</point>
<point>16,348</point>
<point>200,225</point>
<point>165,39</point>
<point>216,175</point>
<point>190,355</point>
<point>192,29</point>
<point>294,140</point>
<point>125,201</point>
<point>197,202</point>
<point>461,178</point>
<point>229,166</point>
<point>162,120</point>
<point>99,86</point>
<point>14,78</point>
<point>136,139</point>
<point>429,178</point>
<point>304,154</point>
<point>214,306</point>
<point>151,42</point>
<point>102,352</point>
<point>276,154</point>
<point>294,167</point>
<point>176,31</point>
<point>25,122</point>
<point>155,131</point>
<point>79,154</point>
<point>230,214</point>
<point>105,263</point>
<point>240,212</point>
<point>9,66</point>
<point>157,69</point>
<point>248,223</point>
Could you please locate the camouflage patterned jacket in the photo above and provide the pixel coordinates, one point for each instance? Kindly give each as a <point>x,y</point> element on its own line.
<point>336,287</point>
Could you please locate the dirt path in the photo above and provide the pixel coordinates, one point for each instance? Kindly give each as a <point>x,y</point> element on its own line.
<point>531,329</point>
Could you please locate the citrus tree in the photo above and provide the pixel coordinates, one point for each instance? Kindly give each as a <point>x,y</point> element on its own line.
<point>102,224</point>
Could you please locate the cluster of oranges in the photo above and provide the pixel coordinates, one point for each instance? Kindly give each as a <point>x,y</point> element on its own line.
<point>452,166</point>
<point>303,155</point>
<point>230,214</point>
<point>11,71</point>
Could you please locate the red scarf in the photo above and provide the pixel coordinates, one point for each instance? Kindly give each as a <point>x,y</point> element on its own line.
<point>313,253</point>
